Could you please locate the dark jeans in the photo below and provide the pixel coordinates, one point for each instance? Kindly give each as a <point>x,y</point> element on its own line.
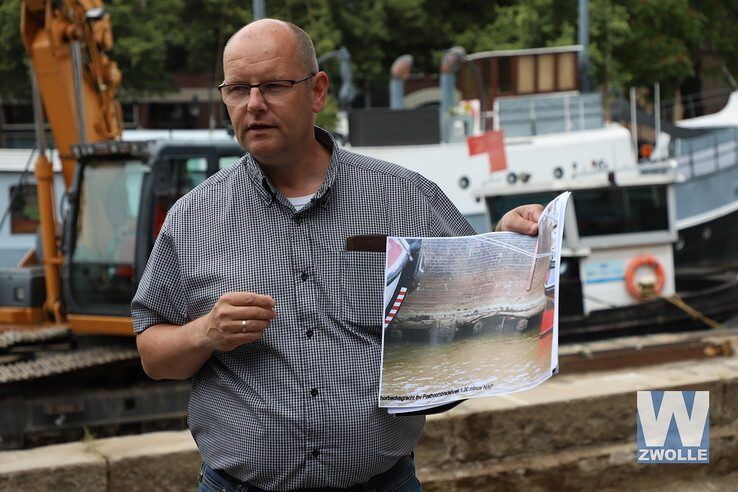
<point>399,478</point>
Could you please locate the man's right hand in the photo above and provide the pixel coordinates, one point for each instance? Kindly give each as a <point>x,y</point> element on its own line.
<point>237,318</point>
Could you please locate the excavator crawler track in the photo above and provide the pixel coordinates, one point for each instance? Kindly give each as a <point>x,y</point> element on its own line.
<point>61,363</point>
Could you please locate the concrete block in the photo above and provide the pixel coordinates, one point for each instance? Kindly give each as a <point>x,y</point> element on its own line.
<point>158,461</point>
<point>70,467</point>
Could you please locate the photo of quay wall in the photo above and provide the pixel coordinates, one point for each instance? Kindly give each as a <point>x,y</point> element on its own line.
<point>471,323</point>
<point>472,285</point>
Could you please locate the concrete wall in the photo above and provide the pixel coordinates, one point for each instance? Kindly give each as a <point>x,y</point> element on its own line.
<point>456,286</point>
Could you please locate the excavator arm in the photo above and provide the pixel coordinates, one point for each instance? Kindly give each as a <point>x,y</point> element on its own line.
<point>66,43</point>
<point>55,32</point>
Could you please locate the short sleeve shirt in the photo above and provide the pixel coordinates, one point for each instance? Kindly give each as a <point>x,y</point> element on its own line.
<point>298,408</point>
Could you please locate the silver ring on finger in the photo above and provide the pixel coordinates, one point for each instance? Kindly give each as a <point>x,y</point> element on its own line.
<point>243,326</point>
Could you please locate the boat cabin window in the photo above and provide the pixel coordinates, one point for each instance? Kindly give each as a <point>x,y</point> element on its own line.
<point>546,73</point>
<point>608,211</point>
<point>504,75</point>
<point>24,215</point>
<point>600,212</point>
<point>526,71</point>
<point>567,71</point>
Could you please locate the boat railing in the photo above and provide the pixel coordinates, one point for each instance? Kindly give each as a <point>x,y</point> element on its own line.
<point>522,116</point>
<point>706,154</point>
<point>697,104</point>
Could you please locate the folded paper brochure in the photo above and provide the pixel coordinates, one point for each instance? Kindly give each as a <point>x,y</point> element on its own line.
<point>473,316</point>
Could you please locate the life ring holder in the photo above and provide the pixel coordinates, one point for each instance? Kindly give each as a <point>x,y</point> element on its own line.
<point>632,268</point>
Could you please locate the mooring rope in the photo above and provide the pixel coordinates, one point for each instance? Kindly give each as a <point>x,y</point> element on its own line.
<point>679,302</point>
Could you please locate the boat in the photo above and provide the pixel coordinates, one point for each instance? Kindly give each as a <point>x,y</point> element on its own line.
<point>675,209</point>
<point>707,190</point>
<point>550,128</point>
<point>552,131</point>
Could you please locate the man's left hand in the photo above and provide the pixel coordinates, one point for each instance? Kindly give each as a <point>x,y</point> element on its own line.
<point>523,219</point>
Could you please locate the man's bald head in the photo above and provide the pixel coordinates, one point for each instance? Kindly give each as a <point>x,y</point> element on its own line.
<point>255,30</point>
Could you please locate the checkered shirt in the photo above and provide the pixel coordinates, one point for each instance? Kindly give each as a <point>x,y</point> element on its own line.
<point>298,408</point>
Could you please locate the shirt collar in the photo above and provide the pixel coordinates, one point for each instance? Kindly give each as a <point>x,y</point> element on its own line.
<point>269,193</point>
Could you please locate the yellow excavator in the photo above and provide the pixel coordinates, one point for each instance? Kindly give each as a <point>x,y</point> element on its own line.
<point>65,316</point>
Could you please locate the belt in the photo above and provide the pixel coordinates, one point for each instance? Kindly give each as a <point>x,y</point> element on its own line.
<point>372,484</point>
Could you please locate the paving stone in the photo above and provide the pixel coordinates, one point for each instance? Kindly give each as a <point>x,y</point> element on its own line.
<point>70,467</point>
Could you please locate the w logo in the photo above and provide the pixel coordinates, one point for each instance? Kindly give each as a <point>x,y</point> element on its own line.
<point>673,427</point>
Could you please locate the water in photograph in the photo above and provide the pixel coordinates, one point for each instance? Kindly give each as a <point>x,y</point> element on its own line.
<point>478,365</point>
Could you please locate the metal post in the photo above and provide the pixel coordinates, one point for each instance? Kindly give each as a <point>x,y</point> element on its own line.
<point>450,63</point>
<point>582,120</point>
<point>77,69</point>
<point>44,173</point>
<point>633,122</point>
<point>656,113</point>
<point>397,93</point>
<point>399,72</point>
<point>495,115</point>
<point>448,101</point>
<point>38,116</point>
<point>583,40</point>
<point>531,118</point>
<point>347,91</point>
<point>259,9</point>
<point>480,92</point>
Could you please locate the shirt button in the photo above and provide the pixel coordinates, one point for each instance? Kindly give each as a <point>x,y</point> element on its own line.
<point>296,219</point>
<point>309,333</point>
<point>315,453</point>
<point>304,276</point>
<point>314,392</point>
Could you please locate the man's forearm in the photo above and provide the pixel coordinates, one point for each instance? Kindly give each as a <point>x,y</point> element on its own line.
<point>174,352</point>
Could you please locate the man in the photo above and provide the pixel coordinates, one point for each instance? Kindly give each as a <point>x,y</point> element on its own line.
<point>250,290</point>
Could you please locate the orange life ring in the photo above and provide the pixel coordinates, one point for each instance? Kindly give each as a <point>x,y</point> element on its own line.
<point>644,261</point>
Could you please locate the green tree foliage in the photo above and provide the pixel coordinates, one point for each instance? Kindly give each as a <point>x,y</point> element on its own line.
<point>532,24</point>
<point>632,41</point>
<point>609,30</point>
<point>719,30</point>
<point>665,37</point>
<point>14,81</point>
<point>141,30</point>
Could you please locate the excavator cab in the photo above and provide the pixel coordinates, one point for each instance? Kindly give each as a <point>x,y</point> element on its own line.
<point>115,209</point>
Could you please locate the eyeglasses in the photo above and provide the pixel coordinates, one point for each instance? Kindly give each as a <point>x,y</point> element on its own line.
<point>235,94</point>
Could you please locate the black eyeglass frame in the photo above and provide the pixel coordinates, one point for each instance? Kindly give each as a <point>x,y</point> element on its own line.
<point>259,86</point>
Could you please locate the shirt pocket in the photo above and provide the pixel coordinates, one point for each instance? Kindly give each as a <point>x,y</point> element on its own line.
<point>362,289</point>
